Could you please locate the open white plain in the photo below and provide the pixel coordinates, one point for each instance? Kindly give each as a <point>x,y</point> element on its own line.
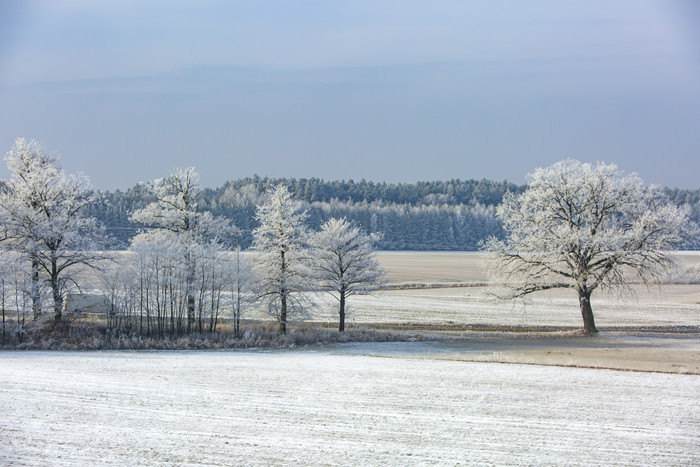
<point>366,404</point>
<point>356,404</point>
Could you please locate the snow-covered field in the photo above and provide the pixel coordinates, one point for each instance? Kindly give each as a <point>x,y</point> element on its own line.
<point>360,404</point>
<point>432,266</point>
<point>676,304</point>
<point>665,305</point>
<point>424,403</point>
<point>671,305</point>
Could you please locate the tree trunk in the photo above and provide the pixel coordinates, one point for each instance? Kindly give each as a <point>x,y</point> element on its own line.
<point>584,301</point>
<point>283,314</point>
<point>57,300</point>
<point>140,311</point>
<point>36,290</point>
<point>237,315</point>
<point>341,326</point>
<point>3,310</point>
<point>283,296</point>
<point>190,312</point>
<point>189,285</point>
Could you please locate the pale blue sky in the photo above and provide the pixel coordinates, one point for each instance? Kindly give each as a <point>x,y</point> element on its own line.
<point>383,90</point>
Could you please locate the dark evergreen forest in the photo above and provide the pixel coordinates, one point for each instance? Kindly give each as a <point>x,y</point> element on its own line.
<point>445,215</point>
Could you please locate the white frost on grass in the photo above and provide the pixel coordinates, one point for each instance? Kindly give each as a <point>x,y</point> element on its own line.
<point>330,407</point>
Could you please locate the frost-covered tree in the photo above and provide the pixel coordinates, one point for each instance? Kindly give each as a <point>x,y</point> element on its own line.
<point>344,262</point>
<point>281,262</point>
<point>584,226</point>
<point>177,215</point>
<point>43,213</point>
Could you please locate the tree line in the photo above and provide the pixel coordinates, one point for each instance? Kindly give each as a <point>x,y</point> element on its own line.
<point>454,215</point>
<point>575,225</point>
<point>178,274</point>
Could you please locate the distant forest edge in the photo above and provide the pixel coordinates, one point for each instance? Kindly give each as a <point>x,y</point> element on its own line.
<point>452,215</point>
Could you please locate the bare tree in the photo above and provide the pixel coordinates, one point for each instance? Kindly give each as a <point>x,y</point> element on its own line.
<point>43,212</point>
<point>344,262</point>
<point>280,241</point>
<point>584,227</point>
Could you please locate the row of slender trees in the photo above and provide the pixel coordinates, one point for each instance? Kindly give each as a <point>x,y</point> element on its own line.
<point>177,275</point>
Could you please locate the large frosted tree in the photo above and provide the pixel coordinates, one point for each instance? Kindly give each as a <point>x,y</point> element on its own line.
<point>344,262</point>
<point>282,253</point>
<point>584,227</point>
<point>43,214</point>
<point>177,219</point>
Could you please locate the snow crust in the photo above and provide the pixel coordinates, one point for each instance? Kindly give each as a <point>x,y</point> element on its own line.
<point>360,404</point>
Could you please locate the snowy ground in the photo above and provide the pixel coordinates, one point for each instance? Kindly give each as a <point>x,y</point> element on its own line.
<point>665,305</point>
<point>677,305</point>
<point>360,404</point>
<point>425,403</point>
<point>432,266</point>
